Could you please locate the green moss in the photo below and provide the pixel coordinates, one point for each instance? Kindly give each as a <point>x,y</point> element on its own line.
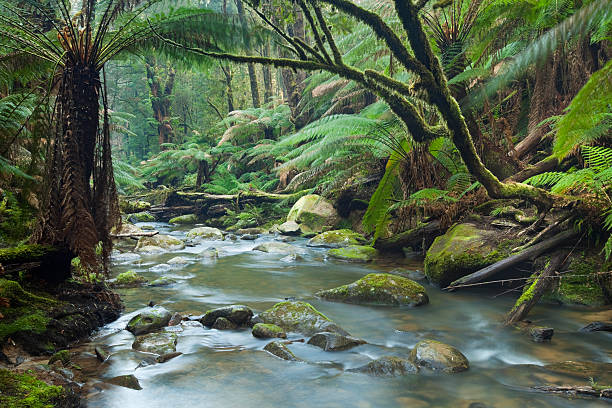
<point>144,216</point>
<point>62,356</point>
<point>342,237</point>
<point>379,288</point>
<point>25,391</point>
<point>297,308</point>
<point>355,253</point>
<point>184,219</point>
<point>25,312</point>
<point>23,253</point>
<point>129,278</point>
<point>580,285</point>
<point>462,250</point>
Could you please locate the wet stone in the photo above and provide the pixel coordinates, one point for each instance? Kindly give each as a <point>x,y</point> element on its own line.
<point>238,314</point>
<point>541,334</point>
<point>127,381</point>
<point>149,320</point>
<point>156,343</point>
<point>280,350</point>
<point>267,331</point>
<point>387,366</point>
<point>334,341</point>
<point>439,357</point>
<point>597,326</point>
<point>176,319</point>
<point>224,324</point>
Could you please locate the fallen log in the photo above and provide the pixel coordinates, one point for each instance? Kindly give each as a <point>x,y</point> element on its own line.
<point>537,289</point>
<point>259,196</point>
<point>577,390</point>
<point>411,238</point>
<point>135,234</point>
<point>527,254</point>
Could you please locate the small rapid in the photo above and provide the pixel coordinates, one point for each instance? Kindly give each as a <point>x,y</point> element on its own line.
<point>230,369</point>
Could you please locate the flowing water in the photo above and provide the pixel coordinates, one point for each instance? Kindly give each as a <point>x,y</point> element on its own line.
<point>230,369</point>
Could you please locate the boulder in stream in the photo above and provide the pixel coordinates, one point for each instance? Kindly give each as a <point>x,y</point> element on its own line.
<point>280,350</point>
<point>464,249</point>
<point>205,233</point>
<point>268,331</point>
<point>334,341</point>
<point>162,281</point>
<point>127,381</point>
<point>187,219</point>
<point>224,324</point>
<point>129,279</point>
<point>300,317</point>
<point>164,242</point>
<point>379,288</point>
<point>541,334</point>
<point>354,253</point>
<point>438,356</point>
<point>289,228</point>
<point>178,260</point>
<point>278,248</point>
<point>313,213</point>
<point>143,216</point>
<point>597,326</point>
<point>387,366</point>
<point>157,343</point>
<point>237,314</point>
<point>149,320</point>
<point>336,239</point>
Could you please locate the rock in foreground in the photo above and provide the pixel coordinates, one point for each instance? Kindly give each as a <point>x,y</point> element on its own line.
<point>439,357</point>
<point>354,253</point>
<point>237,314</point>
<point>379,288</point>
<point>268,331</point>
<point>334,341</point>
<point>336,239</point>
<point>313,212</point>
<point>149,320</point>
<point>281,351</point>
<point>156,343</point>
<point>387,366</point>
<point>164,242</point>
<point>300,317</point>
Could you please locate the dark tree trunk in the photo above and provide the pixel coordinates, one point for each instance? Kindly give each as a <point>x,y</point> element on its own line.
<point>250,66</point>
<point>227,71</point>
<point>267,75</point>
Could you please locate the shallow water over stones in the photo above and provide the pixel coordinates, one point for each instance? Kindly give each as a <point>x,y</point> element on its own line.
<point>228,368</point>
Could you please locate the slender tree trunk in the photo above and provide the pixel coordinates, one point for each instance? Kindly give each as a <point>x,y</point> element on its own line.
<point>160,99</point>
<point>227,71</point>
<point>293,80</point>
<point>267,75</point>
<point>250,66</point>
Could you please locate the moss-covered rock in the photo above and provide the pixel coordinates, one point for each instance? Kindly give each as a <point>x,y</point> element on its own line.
<point>238,314</point>
<point>143,216</point>
<point>187,219</point>
<point>22,390</point>
<point>63,356</point>
<point>289,228</point>
<point>439,357</point>
<point>278,248</point>
<point>354,253</point>
<point>268,331</point>
<point>583,286</point>
<point>379,288</point>
<point>280,350</point>
<point>149,320</point>
<point>464,249</point>
<point>164,242</point>
<point>129,207</point>
<point>129,279</point>
<point>24,311</point>
<point>387,366</point>
<point>224,324</point>
<point>178,260</point>
<point>314,212</point>
<point>205,233</point>
<point>334,341</point>
<point>156,343</point>
<point>300,317</point>
<point>336,239</point>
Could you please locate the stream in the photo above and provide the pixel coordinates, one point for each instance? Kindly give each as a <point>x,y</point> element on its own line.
<point>230,369</point>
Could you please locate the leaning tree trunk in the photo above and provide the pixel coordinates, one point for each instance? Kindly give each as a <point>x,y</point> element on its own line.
<point>250,66</point>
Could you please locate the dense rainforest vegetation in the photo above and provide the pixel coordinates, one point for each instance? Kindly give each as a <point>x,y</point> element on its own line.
<point>473,135</point>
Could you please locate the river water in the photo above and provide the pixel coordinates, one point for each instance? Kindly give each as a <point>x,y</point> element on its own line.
<point>230,369</point>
